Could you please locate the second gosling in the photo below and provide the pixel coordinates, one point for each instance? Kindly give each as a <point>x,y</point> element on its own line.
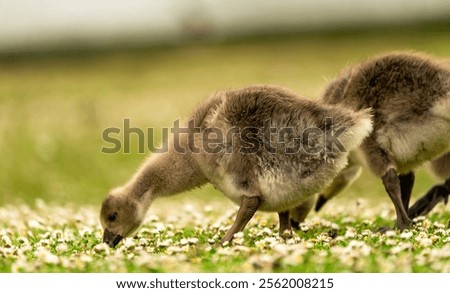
<point>409,94</point>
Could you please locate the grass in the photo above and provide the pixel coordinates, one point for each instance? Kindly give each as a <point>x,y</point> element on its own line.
<point>56,239</point>
<point>53,109</point>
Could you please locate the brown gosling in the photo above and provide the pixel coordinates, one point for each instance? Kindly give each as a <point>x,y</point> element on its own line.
<point>275,154</point>
<point>409,95</point>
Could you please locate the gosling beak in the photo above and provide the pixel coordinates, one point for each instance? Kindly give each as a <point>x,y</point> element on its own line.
<point>111,239</point>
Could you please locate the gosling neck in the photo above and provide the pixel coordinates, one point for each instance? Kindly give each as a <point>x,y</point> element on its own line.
<point>164,175</point>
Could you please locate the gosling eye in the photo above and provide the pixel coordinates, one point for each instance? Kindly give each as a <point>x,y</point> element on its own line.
<point>112,217</point>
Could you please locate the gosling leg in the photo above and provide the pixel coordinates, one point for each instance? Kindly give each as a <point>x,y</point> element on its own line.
<point>285,224</point>
<point>428,201</point>
<point>345,178</point>
<point>249,206</point>
<point>406,186</point>
<point>391,183</point>
<point>300,212</point>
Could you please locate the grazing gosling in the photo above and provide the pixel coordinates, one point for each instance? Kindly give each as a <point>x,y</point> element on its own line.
<point>264,147</point>
<point>409,95</point>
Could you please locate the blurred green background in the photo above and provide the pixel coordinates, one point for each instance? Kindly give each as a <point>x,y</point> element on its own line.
<point>54,106</point>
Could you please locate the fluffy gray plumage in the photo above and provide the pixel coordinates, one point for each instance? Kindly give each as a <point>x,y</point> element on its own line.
<point>409,95</point>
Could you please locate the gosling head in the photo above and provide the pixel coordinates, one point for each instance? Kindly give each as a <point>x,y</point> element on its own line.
<point>120,217</point>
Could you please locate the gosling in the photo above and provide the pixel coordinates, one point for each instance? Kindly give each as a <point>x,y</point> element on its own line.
<point>264,147</point>
<point>409,95</point>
